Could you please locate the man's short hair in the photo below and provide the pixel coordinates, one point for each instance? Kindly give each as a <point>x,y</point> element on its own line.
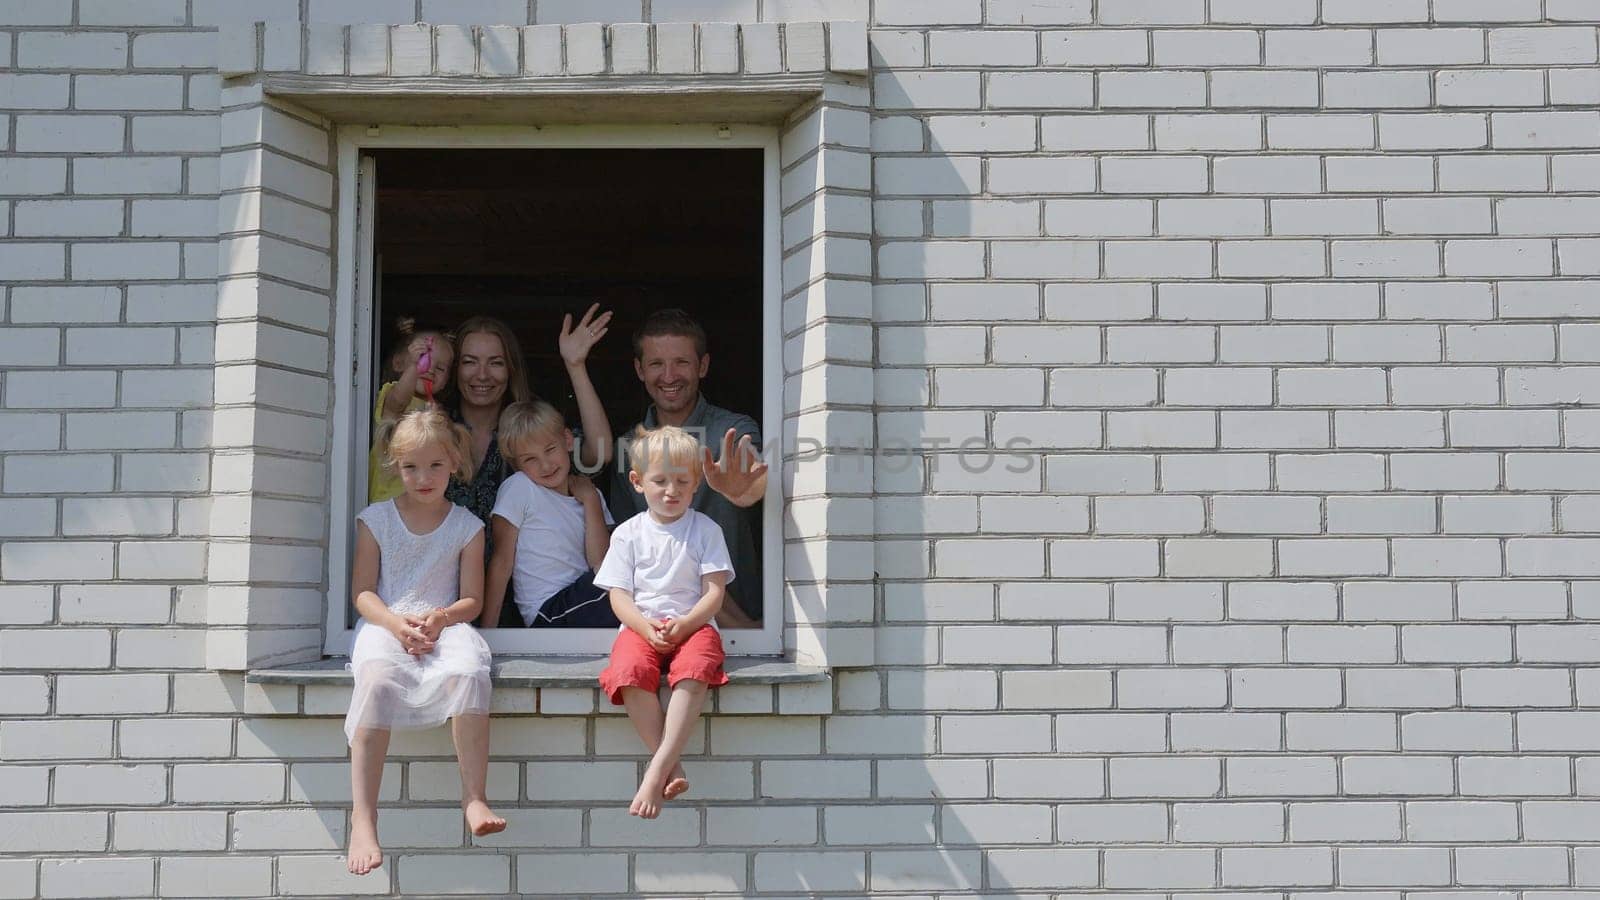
<point>671,322</point>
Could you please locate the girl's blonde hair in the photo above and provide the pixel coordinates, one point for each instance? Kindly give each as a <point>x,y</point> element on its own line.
<point>415,430</point>
<point>405,329</point>
<point>525,420</point>
<point>668,442</point>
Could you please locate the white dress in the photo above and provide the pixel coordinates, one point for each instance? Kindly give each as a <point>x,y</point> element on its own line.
<point>417,573</point>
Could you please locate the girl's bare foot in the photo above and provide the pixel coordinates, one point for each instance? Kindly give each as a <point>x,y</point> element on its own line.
<point>647,802</point>
<point>677,783</point>
<point>481,819</point>
<point>364,854</point>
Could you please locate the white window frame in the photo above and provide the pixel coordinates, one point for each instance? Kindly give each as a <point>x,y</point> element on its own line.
<point>353,352</point>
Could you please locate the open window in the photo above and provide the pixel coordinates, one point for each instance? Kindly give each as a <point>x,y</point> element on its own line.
<point>527,224</point>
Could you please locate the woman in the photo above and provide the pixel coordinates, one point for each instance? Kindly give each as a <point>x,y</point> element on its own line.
<point>490,375</point>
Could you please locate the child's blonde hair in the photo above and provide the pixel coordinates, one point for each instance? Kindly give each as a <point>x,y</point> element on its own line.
<point>525,420</point>
<point>418,429</point>
<point>668,442</point>
<point>405,329</point>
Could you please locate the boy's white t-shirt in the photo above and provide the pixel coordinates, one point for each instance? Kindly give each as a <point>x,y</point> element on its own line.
<point>549,539</point>
<point>661,564</point>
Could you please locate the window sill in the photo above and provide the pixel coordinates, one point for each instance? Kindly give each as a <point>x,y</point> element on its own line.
<point>569,686</point>
<point>543,672</point>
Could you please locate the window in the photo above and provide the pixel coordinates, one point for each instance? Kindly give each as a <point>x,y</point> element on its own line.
<point>525,224</point>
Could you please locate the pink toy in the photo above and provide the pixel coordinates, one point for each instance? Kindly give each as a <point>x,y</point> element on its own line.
<point>425,366</point>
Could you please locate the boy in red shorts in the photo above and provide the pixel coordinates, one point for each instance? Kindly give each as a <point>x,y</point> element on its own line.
<point>667,570</point>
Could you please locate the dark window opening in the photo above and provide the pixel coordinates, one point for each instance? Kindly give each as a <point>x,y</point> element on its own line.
<point>526,235</point>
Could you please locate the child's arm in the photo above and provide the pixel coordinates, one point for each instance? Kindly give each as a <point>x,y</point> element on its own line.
<point>713,586</point>
<point>629,615</point>
<point>401,392</point>
<point>596,534</point>
<point>364,589</point>
<point>501,562</point>
<point>575,345</point>
<point>466,608</point>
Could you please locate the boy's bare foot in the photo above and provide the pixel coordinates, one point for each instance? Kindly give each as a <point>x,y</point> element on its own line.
<point>481,819</point>
<point>364,854</point>
<point>677,783</point>
<point>647,802</point>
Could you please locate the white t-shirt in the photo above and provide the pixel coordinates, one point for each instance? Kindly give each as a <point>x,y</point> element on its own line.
<point>662,564</point>
<point>549,539</point>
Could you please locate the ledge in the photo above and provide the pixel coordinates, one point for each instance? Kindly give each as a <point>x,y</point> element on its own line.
<point>540,51</point>
<point>546,672</point>
<point>427,100</point>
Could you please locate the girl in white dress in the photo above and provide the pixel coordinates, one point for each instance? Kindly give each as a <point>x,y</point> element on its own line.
<point>418,582</point>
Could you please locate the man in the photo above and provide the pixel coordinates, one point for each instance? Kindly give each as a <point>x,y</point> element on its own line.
<point>670,358</point>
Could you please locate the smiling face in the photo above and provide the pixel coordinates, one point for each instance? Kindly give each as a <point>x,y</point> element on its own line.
<point>546,459</point>
<point>668,486</point>
<point>425,471</point>
<point>671,372</point>
<point>482,371</point>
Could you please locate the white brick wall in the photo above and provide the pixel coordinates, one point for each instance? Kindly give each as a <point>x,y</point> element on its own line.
<point>1288,588</point>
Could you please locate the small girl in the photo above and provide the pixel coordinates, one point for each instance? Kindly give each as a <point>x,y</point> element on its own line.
<point>421,363</point>
<point>417,582</point>
<point>667,570</point>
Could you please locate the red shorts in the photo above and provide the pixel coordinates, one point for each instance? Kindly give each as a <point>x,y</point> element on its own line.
<point>634,663</point>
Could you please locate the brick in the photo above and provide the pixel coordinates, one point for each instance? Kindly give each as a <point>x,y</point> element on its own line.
<point>90,877</point>
<point>1227,822</point>
<point>1481,731</point>
<point>1311,866</point>
<point>111,785</point>
<point>1326,131</point>
<point>1160,868</point>
<point>1374,11</point>
<point>1264,12</point>
<point>1091,47</point>
<point>1515,776</point>
<point>110,694</point>
<point>1055,690</point>
<point>1433,131</point>
<point>1410,689</point>
<point>1490,88</point>
<point>1241,88</point>
<point>1341,731</point>
<point>1377,775</point>
<point>1366,90</point>
<point>926,90</point>
<point>982,48</point>
<point>214,876</point>
<point>1546,129</point>
<point>1112,823</point>
<point>1378,866</point>
<point>1512,866</point>
<point>228,782</point>
<point>1227,731</point>
<point>27,695</point>
<point>1043,90</point>
<point>1286,688</point>
<point>1274,776</point>
<point>810,871</point>
<point>1152,89</point>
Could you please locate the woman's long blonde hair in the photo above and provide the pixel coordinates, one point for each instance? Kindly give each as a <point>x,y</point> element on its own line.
<point>414,430</point>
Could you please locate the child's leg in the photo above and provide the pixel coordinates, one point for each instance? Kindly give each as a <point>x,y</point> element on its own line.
<point>368,748</point>
<point>645,712</point>
<point>471,733</point>
<point>683,709</point>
